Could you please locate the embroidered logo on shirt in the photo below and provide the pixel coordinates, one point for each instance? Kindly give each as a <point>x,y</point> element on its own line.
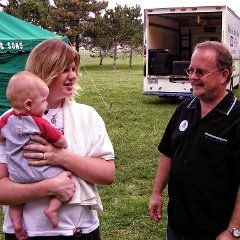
<point>215,138</point>
<point>183,125</point>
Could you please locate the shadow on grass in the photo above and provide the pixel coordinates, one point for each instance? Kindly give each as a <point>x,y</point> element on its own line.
<point>161,100</point>
<point>108,67</point>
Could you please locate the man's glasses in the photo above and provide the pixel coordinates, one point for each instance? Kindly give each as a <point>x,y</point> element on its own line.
<point>199,72</point>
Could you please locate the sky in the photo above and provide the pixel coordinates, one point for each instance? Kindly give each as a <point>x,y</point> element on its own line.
<point>233,4</point>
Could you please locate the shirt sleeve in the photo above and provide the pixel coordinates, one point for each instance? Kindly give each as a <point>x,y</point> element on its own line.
<point>3,151</point>
<point>165,146</point>
<point>3,154</point>
<point>48,132</point>
<point>102,146</point>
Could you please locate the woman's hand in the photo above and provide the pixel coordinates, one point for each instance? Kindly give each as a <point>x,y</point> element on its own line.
<point>45,153</point>
<point>63,187</point>
<point>12,193</point>
<point>92,169</point>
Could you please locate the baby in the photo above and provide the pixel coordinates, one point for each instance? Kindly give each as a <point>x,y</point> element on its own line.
<point>27,95</point>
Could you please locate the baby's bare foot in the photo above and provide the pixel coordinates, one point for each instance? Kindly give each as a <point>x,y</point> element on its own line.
<point>52,216</point>
<point>20,232</point>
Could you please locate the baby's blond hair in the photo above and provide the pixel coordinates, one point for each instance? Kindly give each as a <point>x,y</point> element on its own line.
<point>24,85</point>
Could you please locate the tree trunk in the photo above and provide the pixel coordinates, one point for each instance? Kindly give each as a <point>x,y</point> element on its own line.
<point>101,57</point>
<point>77,43</point>
<point>130,57</point>
<point>114,57</point>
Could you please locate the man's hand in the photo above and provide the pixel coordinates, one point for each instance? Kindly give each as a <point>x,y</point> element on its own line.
<point>225,236</point>
<point>155,207</point>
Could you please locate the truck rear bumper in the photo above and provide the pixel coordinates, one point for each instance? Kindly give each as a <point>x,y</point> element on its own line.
<point>169,94</point>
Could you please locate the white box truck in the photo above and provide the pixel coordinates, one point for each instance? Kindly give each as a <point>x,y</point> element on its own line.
<point>170,35</point>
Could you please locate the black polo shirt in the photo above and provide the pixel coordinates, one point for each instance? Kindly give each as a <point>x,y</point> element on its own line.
<point>205,167</point>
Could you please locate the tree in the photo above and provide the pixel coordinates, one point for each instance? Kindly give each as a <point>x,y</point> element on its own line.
<point>65,17</point>
<point>12,8</point>
<point>2,5</point>
<point>120,27</point>
<point>97,37</point>
<point>83,20</point>
<point>133,36</point>
<point>124,28</point>
<point>115,24</point>
<point>72,17</point>
<point>35,12</point>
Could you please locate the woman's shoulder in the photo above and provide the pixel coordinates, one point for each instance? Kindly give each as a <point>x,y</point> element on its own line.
<point>81,106</point>
<point>81,110</point>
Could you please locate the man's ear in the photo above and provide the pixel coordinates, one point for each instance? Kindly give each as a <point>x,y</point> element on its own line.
<point>225,75</point>
<point>28,104</point>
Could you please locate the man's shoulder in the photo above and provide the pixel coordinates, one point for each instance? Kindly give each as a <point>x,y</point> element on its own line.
<point>234,102</point>
<point>188,102</point>
<point>236,107</point>
<point>237,103</point>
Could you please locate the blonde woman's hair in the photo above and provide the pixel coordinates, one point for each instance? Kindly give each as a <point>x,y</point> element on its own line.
<point>49,58</point>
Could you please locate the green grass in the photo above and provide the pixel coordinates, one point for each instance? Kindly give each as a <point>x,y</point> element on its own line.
<point>135,125</point>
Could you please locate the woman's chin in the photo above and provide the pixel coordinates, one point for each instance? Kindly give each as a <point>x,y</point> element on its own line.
<point>69,92</point>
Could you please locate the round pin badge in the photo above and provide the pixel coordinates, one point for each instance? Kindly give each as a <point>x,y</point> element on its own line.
<point>183,125</point>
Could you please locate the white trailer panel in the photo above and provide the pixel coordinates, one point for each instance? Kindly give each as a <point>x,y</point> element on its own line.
<point>170,35</point>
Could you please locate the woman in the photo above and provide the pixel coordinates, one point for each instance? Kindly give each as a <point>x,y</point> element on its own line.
<point>90,154</point>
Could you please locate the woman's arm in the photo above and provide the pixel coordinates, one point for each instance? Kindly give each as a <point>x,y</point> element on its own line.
<point>12,193</point>
<point>94,170</point>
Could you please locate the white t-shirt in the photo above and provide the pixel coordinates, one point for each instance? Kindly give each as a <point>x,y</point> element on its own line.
<point>70,217</point>
<point>91,128</point>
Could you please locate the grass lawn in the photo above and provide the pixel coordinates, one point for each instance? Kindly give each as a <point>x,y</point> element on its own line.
<point>135,125</point>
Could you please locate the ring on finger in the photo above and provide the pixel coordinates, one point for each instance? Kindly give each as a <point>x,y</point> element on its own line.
<point>44,156</point>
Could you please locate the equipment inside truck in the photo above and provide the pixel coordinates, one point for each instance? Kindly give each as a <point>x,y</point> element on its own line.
<point>170,35</point>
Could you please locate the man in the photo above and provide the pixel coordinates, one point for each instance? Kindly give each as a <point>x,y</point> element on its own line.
<point>200,154</point>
